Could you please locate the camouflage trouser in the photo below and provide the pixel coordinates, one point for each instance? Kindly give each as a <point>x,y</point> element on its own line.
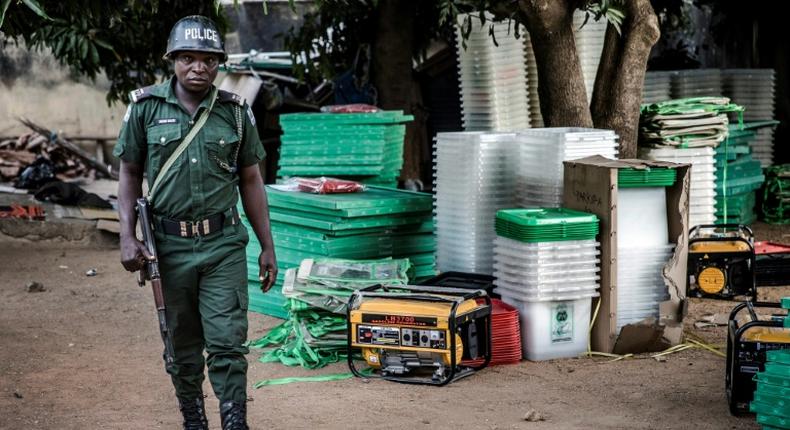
<point>205,287</point>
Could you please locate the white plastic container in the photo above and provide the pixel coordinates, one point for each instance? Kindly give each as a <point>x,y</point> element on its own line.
<point>642,217</point>
<point>553,329</point>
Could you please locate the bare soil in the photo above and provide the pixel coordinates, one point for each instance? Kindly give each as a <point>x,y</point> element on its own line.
<point>85,354</point>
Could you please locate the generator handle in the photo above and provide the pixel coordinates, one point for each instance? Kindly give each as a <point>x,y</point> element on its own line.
<point>740,227</point>
<point>750,308</point>
<point>462,293</point>
<point>751,305</point>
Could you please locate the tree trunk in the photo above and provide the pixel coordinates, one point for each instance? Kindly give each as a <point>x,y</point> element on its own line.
<point>392,57</point>
<point>563,98</point>
<point>621,74</point>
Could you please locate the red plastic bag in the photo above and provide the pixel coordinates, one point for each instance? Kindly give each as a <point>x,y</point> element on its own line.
<point>350,108</point>
<point>324,185</point>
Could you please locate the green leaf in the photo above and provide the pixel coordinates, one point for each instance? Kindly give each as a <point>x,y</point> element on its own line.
<point>35,7</point>
<point>84,49</point>
<point>103,44</point>
<point>3,8</point>
<point>94,54</point>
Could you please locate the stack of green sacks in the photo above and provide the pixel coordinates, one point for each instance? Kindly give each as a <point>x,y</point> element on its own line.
<point>545,225</point>
<point>772,397</point>
<point>364,146</point>
<point>648,177</point>
<point>375,223</point>
<point>738,176</point>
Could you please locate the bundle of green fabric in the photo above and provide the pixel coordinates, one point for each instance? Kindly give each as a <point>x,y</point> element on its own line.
<point>776,194</point>
<point>686,123</point>
<point>315,332</point>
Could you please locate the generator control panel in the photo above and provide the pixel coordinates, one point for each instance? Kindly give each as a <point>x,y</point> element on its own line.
<point>401,336</point>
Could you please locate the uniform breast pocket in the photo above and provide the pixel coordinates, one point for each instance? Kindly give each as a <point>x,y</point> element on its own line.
<point>162,142</point>
<point>223,149</point>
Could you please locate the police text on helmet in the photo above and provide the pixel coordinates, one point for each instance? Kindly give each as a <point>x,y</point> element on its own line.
<point>201,34</point>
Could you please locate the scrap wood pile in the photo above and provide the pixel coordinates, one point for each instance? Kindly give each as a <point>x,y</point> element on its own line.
<point>315,331</point>
<point>44,150</point>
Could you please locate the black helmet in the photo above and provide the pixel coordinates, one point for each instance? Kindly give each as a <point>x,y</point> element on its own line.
<point>195,33</point>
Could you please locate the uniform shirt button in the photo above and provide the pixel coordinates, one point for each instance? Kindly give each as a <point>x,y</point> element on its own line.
<point>221,142</point>
<point>194,160</point>
<point>191,122</point>
<point>162,139</point>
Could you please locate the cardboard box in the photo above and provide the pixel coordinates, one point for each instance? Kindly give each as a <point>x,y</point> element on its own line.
<point>590,185</point>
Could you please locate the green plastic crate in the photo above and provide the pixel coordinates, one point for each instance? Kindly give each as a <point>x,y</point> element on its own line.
<point>651,177</point>
<point>545,224</point>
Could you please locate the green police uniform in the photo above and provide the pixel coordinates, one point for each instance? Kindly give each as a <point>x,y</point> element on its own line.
<point>204,276</point>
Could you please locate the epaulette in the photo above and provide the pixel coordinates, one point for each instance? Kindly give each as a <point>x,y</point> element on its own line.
<point>141,93</point>
<point>229,97</point>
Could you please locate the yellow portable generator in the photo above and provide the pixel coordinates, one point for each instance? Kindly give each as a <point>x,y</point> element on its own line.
<point>748,341</point>
<point>419,334</point>
<point>721,261</point>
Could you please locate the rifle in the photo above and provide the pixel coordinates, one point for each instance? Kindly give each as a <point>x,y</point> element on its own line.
<point>151,272</point>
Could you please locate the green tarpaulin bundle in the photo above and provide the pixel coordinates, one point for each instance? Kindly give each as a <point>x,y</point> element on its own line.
<point>686,123</point>
<point>373,224</point>
<point>364,146</point>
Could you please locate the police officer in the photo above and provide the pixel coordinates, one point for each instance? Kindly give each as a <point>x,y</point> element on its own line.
<point>200,241</point>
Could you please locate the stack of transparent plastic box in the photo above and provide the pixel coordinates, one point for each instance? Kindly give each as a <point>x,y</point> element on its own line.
<point>643,246</point>
<point>589,45</point>
<point>546,265</point>
<point>754,89</point>
<point>493,78</point>
<point>541,153</point>
<point>657,87</point>
<point>696,83</point>
<point>702,197</point>
<point>474,178</point>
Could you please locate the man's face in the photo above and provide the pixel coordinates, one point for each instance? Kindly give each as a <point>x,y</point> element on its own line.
<point>195,71</point>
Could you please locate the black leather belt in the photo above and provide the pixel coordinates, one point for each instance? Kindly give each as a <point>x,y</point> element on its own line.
<point>212,224</point>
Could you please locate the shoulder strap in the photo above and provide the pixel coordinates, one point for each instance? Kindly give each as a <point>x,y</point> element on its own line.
<point>141,94</point>
<point>183,145</point>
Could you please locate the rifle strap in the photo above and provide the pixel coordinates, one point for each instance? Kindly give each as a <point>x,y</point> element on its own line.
<point>183,145</point>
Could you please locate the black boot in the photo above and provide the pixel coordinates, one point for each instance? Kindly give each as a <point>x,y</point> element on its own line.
<point>234,415</point>
<point>194,412</point>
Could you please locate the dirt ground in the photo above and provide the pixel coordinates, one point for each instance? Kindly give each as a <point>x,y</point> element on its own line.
<point>85,354</point>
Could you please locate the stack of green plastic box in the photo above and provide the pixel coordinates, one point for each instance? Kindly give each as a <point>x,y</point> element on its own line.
<point>772,397</point>
<point>649,177</point>
<point>776,195</point>
<point>545,225</point>
<point>376,223</point>
<point>738,176</point>
<point>363,146</point>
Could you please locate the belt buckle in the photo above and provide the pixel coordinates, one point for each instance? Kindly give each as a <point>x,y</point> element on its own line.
<point>195,229</point>
<point>183,227</point>
<point>206,227</point>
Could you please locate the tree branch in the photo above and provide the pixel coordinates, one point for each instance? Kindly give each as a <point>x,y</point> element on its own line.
<point>618,85</point>
<point>563,98</point>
